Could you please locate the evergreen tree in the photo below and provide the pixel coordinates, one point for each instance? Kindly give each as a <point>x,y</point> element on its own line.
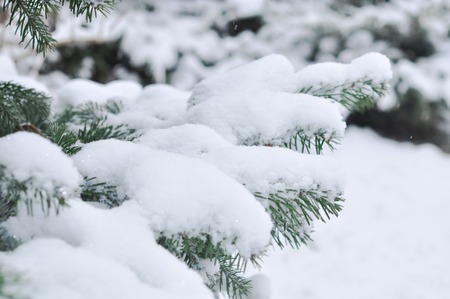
<point>292,210</point>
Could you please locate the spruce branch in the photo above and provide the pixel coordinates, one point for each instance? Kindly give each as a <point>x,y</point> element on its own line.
<point>86,123</point>
<point>7,242</point>
<point>101,192</point>
<point>89,112</point>
<point>304,143</point>
<point>28,15</point>
<point>72,140</point>
<point>292,213</point>
<point>192,250</point>
<point>230,280</point>
<point>29,18</point>
<point>99,130</point>
<point>13,191</point>
<point>59,134</point>
<point>8,279</point>
<point>21,106</point>
<point>359,95</point>
<point>90,8</point>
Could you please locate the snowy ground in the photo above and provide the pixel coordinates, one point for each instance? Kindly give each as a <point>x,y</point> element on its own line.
<point>392,240</point>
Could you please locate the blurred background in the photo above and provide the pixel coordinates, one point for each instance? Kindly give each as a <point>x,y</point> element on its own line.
<point>393,238</point>
<point>180,42</point>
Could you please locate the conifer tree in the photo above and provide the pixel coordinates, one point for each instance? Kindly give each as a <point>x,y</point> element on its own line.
<point>292,211</point>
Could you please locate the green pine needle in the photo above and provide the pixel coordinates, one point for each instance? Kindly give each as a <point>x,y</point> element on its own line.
<point>99,130</point>
<point>29,18</point>
<point>7,242</point>
<point>192,250</point>
<point>359,95</point>
<point>59,134</point>
<point>12,191</point>
<point>27,15</point>
<point>231,280</point>
<point>304,143</point>
<point>90,8</point>
<point>293,211</point>
<point>101,192</point>
<point>86,123</point>
<point>20,105</point>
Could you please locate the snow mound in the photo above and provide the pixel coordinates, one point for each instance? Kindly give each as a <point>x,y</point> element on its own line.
<point>370,67</point>
<point>181,195</point>
<point>268,73</point>
<point>249,105</point>
<point>245,9</point>
<point>29,157</point>
<point>8,73</point>
<point>79,91</point>
<point>266,117</point>
<point>187,139</point>
<point>157,106</point>
<point>99,253</point>
<point>268,170</point>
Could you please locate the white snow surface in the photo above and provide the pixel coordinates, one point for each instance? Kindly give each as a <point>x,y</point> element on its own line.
<point>266,117</point>
<point>178,194</point>
<point>248,8</point>
<point>28,156</point>
<point>271,169</point>
<point>87,252</point>
<point>161,57</point>
<point>259,103</point>
<point>272,72</point>
<point>372,66</point>
<point>158,105</point>
<point>187,139</point>
<point>79,91</point>
<point>8,73</point>
<point>392,238</point>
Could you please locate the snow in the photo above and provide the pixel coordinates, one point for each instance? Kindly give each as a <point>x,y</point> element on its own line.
<point>187,139</point>
<point>260,287</point>
<point>249,105</point>
<point>79,91</point>
<point>249,8</point>
<point>373,66</point>
<point>391,240</point>
<point>258,103</point>
<point>162,101</point>
<point>177,42</point>
<point>163,54</point>
<point>269,170</point>
<point>412,75</point>
<point>155,106</point>
<point>7,65</point>
<point>188,173</point>
<point>429,77</point>
<point>201,200</point>
<point>92,253</point>
<point>265,117</point>
<point>268,73</point>
<point>43,163</point>
<point>8,73</point>
<point>178,194</point>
